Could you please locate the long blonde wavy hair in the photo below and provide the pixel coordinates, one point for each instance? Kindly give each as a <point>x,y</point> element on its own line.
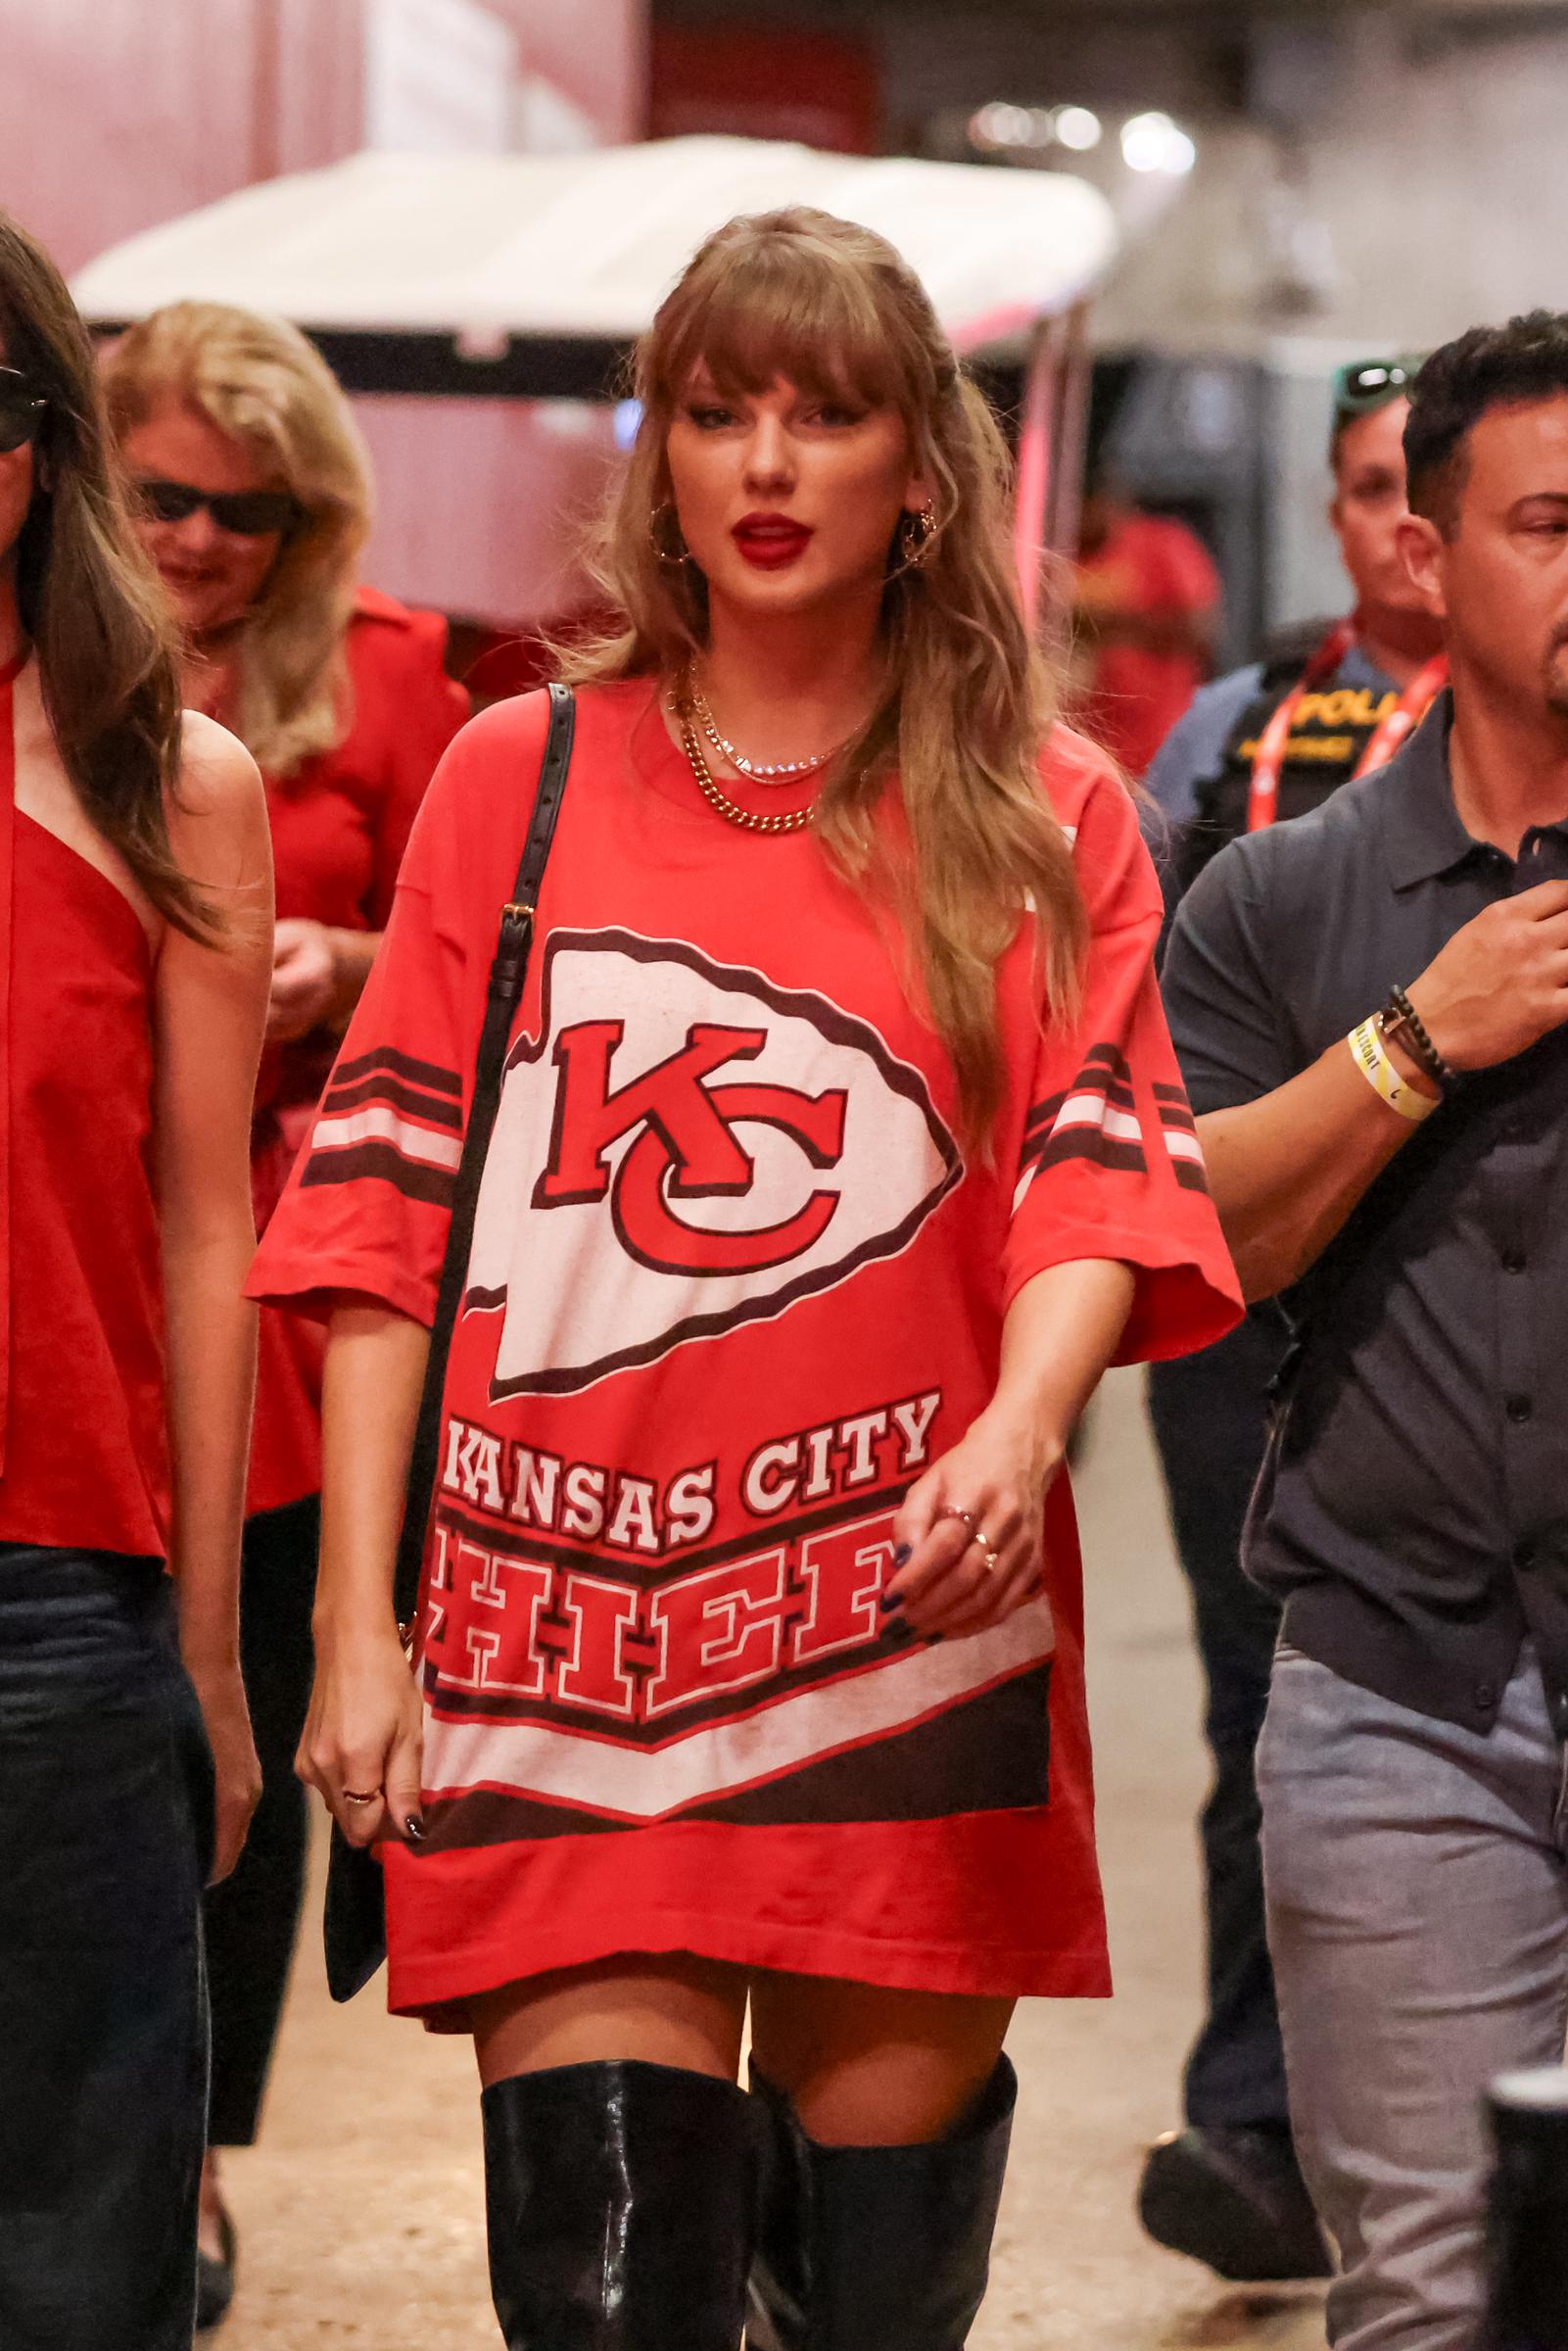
<point>832,309</point>
<point>258,380</point>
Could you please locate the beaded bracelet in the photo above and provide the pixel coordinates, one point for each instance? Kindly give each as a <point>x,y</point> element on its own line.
<point>1400,1019</point>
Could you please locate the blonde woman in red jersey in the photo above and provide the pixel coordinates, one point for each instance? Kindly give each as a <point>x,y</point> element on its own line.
<point>135,939</point>
<point>840,1148</point>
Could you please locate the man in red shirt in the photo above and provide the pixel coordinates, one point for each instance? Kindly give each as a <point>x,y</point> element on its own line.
<point>1146,601</point>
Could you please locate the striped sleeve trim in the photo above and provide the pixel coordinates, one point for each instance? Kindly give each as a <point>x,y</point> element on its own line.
<point>386,1060</point>
<point>382,1122</point>
<point>1095,1120</point>
<point>388,1115</point>
<point>1181,1130</point>
<point>433,1185</point>
<point>410,1098</point>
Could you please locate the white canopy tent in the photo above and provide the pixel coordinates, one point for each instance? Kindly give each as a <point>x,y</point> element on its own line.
<point>527,277</point>
<point>543,249</point>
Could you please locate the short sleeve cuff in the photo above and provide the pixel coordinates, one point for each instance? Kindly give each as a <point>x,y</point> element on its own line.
<point>1184,1300</point>
<point>317,1284</point>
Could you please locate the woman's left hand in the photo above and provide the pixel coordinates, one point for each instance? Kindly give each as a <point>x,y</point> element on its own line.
<point>304,980</point>
<point>974,1529</point>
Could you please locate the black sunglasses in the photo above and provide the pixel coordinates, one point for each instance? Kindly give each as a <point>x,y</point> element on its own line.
<point>243,514</point>
<point>22,411</point>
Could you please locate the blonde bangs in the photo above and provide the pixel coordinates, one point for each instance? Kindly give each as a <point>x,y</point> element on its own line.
<point>782,310</point>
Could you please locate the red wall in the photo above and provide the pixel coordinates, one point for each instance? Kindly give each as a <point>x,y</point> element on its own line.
<point>116,115</point>
<point>766,82</point>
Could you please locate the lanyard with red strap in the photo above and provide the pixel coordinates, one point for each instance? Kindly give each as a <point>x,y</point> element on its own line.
<point>1262,800</point>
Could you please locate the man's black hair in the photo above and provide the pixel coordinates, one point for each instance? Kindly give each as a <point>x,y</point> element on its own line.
<point>1491,367</point>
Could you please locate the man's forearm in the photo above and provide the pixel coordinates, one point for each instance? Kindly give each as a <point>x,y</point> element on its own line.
<point>1287,1170</point>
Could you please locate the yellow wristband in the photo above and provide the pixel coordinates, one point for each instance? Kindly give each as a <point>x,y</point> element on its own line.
<point>1376,1066</point>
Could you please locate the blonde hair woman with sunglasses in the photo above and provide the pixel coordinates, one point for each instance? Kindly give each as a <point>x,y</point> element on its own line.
<point>839,1149</point>
<point>253,500</point>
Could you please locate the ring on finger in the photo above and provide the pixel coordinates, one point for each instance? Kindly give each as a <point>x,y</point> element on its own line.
<point>979,1537</point>
<point>351,1796</point>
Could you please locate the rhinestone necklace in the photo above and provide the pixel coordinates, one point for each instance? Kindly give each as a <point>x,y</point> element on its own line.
<point>720,801</point>
<point>755,771</point>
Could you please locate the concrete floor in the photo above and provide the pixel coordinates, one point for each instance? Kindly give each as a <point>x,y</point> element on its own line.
<point>359,2214</point>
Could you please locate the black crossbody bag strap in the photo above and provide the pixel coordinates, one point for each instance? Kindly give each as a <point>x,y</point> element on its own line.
<point>353,1921</point>
<point>508,974</point>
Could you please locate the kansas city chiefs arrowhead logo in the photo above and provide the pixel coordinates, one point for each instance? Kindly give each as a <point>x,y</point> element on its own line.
<point>685,1147</point>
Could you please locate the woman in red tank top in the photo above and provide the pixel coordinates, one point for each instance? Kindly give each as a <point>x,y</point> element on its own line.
<point>254,502</point>
<point>136,919</point>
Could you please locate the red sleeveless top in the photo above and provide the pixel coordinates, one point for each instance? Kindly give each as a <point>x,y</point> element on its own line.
<point>83,1444</point>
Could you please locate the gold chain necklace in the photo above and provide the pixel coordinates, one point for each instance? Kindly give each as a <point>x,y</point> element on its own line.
<point>730,810</point>
<point>755,771</point>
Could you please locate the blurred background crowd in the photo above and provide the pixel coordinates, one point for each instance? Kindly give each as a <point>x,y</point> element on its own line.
<point>1294,185</point>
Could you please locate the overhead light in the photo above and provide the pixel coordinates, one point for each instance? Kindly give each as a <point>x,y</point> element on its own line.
<point>1153,143</point>
<point>1002,125</point>
<point>1075,126</point>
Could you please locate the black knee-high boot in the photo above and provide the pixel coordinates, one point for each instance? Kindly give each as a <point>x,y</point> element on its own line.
<point>621,2202</point>
<point>877,2248</point>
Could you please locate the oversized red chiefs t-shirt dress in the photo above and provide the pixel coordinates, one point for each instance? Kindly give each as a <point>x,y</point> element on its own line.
<point>734,1284</point>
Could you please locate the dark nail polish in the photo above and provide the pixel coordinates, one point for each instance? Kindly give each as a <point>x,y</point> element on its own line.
<point>891,1601</point>
<point>416,1828</point>
<point>903,1555</point>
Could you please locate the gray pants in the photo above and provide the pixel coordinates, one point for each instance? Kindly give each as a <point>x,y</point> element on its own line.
<point>1419,1921</point>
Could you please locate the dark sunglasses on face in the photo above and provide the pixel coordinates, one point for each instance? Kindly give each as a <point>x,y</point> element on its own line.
<point>242,513</point>
<point>1371,384</point>
<point>22,411</point>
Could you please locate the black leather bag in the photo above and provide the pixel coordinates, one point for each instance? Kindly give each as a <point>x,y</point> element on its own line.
<point>355,1921</point>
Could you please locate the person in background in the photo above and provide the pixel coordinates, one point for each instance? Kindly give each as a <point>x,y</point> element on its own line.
<point>253,498</point>
<point>1267,743</point>
<point>135,943</point>
<point>1385,1129</point>
<point>1146,604</point>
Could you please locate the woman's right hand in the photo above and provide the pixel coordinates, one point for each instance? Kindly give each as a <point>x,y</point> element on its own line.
<point>363,1737</point>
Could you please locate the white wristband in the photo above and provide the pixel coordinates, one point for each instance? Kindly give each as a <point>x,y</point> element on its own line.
<point>1372,1059</point>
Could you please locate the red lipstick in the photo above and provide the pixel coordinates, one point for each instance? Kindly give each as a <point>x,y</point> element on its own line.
<point>772,542</point>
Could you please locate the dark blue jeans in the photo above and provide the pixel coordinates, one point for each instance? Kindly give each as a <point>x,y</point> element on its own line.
<point>1209,1414</point>
<point>252,1919</point>
<point>104,1833</point>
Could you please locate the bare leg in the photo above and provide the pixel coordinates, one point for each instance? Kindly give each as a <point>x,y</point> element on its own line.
<point>676,2010</point>
<point>867,2066</point>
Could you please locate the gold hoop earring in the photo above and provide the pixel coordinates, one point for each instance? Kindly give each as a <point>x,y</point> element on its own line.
<point>663,521</point>
<point>917,538</point>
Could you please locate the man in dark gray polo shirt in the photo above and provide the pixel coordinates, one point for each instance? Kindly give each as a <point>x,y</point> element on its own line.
<point>1396,1164</point>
